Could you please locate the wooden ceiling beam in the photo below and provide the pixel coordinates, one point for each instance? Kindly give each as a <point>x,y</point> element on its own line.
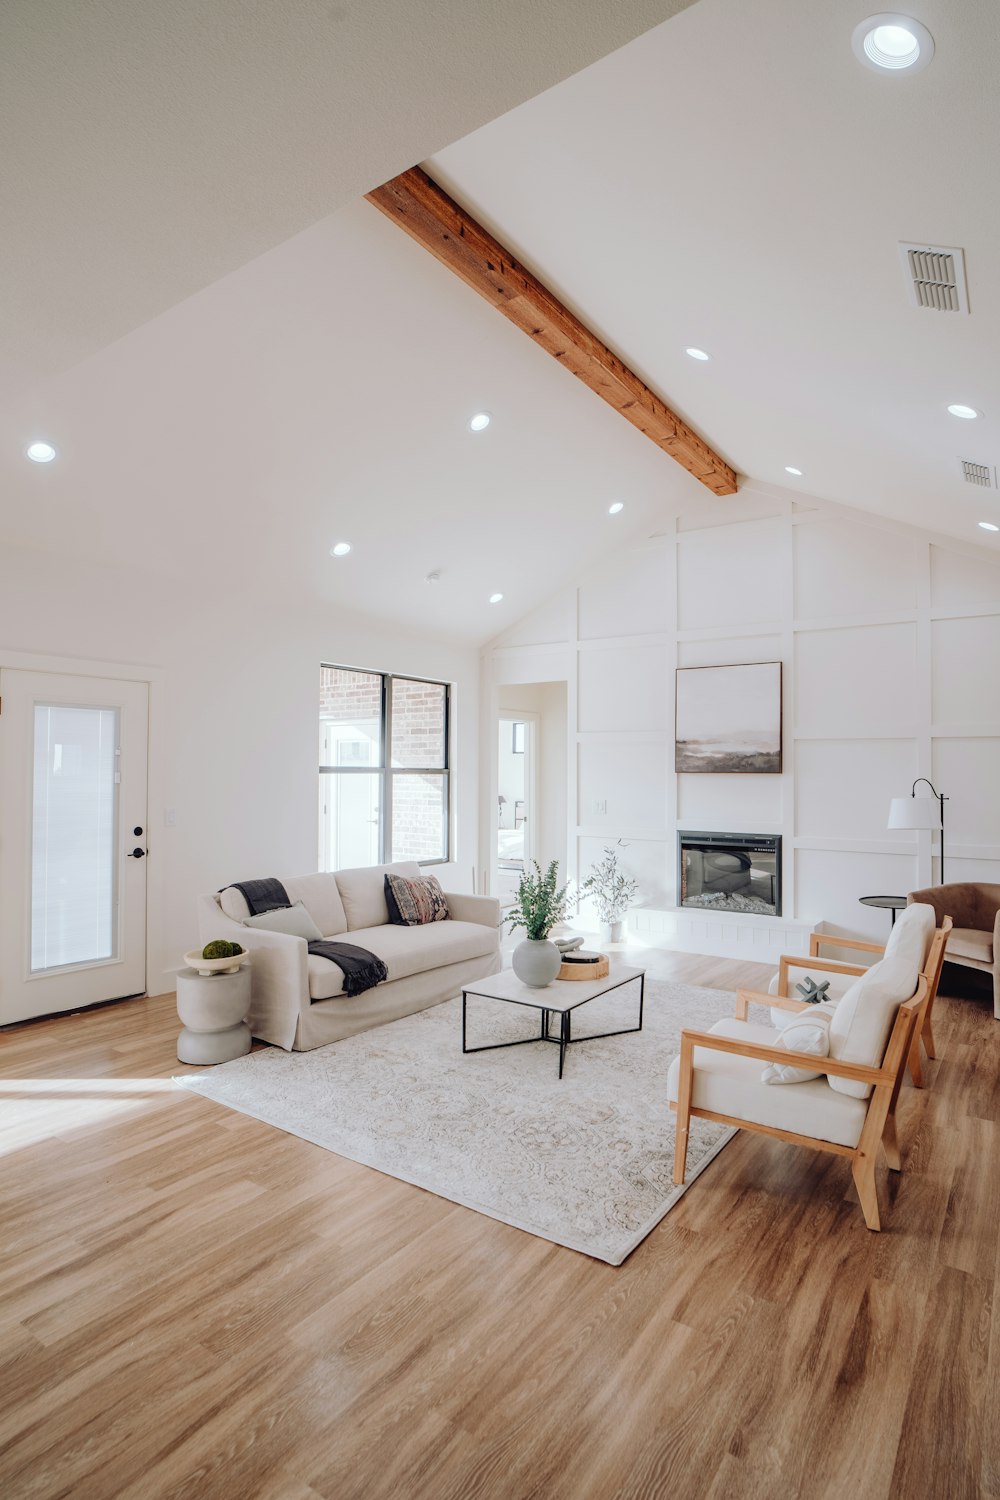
<point>414,201</point>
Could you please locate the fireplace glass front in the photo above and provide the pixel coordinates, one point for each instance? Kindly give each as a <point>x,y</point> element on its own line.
<point>730,872</point>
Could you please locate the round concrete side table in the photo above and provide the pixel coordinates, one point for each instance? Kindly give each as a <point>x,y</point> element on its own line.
<point>212,1007</point>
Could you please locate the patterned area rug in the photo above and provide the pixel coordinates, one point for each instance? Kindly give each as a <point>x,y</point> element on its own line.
<point>585,1161</point>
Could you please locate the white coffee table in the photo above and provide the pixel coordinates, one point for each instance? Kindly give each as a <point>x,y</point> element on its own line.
<point>561,998</point>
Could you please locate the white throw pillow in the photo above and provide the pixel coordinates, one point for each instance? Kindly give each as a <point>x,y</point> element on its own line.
<point>804,1033</point>
<point>291,919</point>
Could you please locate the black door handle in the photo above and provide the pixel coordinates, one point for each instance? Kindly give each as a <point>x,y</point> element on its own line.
<point>137,853</point>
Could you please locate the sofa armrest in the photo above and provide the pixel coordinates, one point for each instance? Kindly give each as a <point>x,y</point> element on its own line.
<point>279,972</point>
<point>482,909</point>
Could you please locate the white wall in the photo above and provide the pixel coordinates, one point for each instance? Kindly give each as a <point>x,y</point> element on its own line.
<point>234,709</point>
<point>890,640</point>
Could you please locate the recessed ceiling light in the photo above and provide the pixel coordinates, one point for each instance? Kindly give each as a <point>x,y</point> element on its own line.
<point>891,43</point>
<point>341,549</point>
<point>989,526</point>
<point>967,413</point>
<point>697,353</point>
<point>790,470</point>
<point>618,506</point>
<point>495,598</point>
<point>41,453</point>
<point>480,421</point>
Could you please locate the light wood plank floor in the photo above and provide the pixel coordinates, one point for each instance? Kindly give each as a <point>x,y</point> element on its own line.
<point>193,1304</point>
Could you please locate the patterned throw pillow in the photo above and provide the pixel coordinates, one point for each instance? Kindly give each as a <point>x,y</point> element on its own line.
<point>412,903</point>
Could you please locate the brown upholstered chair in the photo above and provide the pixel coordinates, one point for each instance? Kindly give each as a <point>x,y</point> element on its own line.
<point>975,936</point>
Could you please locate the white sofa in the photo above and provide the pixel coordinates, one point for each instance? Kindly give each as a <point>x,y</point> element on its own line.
<point>297,999</point>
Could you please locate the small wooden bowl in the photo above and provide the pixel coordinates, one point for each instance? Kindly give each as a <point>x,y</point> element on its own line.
<point>600,969</point>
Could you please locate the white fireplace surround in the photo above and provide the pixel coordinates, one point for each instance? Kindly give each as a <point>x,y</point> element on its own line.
<point>730,934</point>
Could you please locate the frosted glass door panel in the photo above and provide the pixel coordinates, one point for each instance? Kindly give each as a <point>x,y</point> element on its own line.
<point>74,836</point>
<point>74,846</point>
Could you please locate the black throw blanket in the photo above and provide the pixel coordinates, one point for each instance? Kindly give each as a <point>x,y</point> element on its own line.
<point>261,895</point>
<point>362,970</point>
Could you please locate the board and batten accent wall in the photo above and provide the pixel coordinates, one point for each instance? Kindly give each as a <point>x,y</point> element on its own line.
<point>890,639</point>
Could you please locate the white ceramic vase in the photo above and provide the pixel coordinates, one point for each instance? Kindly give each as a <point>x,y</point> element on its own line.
<point>536,962</point>
<point>613,932</point>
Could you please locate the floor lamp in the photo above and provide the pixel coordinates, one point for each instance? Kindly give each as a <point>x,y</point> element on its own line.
<point>923,812</point>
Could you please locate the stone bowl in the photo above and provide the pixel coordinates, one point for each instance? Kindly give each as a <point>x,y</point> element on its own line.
<point>195,961</point>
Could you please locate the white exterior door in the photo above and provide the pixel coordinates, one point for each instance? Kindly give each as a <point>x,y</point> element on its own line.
<point>72,841</point>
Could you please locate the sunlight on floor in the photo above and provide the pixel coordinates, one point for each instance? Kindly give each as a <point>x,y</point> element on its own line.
<point>39,1109</point>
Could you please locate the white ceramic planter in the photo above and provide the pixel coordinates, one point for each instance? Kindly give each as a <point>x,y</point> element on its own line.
<point>613,932</point>
<point>536,962</point>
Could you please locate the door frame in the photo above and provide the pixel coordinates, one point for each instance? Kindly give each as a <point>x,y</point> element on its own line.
<point>154,678</point>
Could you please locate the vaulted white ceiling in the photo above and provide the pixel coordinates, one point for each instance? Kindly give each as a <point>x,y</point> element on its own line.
<point>732,179</point>
<point>737,181</point>
<point>152,146</point>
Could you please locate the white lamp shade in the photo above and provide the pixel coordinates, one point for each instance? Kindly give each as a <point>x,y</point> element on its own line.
<point>914,812</point>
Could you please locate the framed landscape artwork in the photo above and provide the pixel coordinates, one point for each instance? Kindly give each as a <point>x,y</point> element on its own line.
<point>729,719</point>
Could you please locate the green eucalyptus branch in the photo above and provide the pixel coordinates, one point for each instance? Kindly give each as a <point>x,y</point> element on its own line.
<point>538,905</point>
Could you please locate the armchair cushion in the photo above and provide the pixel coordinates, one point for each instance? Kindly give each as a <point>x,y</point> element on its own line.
<point>970,942</point>
<point>912,933</point>
<point>808,1032</point>
<point>863,1019</point>
<point>731,1085</point>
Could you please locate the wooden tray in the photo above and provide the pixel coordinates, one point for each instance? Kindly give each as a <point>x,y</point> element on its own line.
<point>599,970</point>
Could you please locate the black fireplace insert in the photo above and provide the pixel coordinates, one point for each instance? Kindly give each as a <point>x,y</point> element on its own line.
<point>730,872</point>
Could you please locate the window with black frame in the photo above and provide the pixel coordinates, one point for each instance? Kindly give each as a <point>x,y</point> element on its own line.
<point>383,769</point>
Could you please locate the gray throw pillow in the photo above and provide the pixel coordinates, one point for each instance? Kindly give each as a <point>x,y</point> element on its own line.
<point>292,919</point>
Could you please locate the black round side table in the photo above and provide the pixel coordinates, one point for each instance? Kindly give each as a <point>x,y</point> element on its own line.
<point>892,904</point>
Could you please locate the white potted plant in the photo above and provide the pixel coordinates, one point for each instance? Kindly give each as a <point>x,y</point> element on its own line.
<point>613,894</point>
<point>538,907</point>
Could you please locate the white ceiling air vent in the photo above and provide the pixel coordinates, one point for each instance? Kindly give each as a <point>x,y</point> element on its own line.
<point>984,475</point>
<point>935,276</point>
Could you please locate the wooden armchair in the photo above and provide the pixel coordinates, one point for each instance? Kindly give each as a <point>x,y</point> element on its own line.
<point>779,998</point>
<point>718,1077</point>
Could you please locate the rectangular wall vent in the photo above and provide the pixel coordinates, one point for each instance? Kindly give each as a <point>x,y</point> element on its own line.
<point>981,474</point>
<point>935,277</point>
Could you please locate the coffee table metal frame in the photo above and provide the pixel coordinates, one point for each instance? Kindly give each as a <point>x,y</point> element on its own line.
<point>614,981</point>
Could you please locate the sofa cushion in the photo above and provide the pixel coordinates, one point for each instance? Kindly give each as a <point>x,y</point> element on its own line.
<point>863,1019</point>
<point>294,920</point>
<point>406,951</point>
<point>320,896</point>
<point>363,892</point>
<point>234,904</point>
<point>731,1085</point>
<point>969,942</point>
<point>413,903</point>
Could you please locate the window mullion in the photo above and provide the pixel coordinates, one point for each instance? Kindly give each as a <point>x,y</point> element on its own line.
<point>385,832</point>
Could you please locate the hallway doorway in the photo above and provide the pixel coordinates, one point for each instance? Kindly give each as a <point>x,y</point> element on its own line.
<point>516,795</point>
